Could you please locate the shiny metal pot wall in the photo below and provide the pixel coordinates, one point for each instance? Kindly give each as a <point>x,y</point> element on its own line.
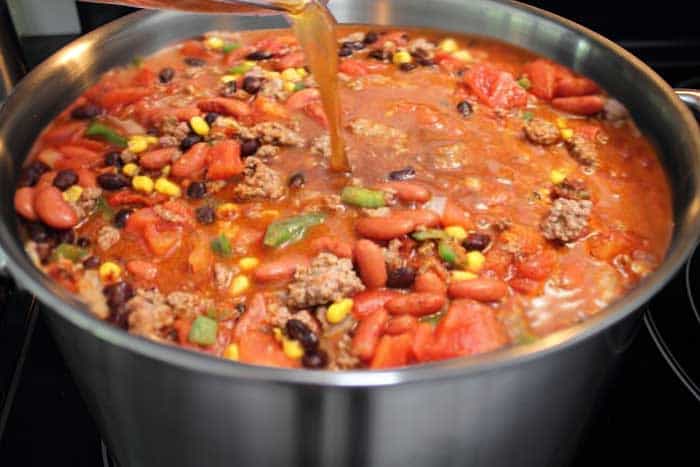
<point>157,405</point>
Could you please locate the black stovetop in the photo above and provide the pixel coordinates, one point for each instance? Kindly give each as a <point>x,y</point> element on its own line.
<point>647,416</point>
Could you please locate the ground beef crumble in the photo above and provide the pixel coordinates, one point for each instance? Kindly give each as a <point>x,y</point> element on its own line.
<point>583,150</point>
<point>567,220</point>
<point>540,131</point>
<point>327,279</point>
<point>278,315</point>
<point>260,181</point>
<point>274,133</point>
<point>148,318</point>
<point>107,237</point>
<point>90,290</point>
<point>570,189</point>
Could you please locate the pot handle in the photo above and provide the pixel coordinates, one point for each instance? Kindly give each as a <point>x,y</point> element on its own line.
<point>690,97</point>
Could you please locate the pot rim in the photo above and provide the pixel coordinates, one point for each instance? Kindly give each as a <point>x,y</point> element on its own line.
<point>74,311</point>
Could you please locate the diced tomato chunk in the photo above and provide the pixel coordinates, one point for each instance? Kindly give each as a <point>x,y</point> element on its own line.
<point>526,286</point>
<point>392,351</point>
<point>582,105</point>
<point>252,319</point>
<point>455,215</point>
<point>192,163</point>
<point>301,99</point>
<point>201,257</point>
<point>145,77</point>
<point>143,270</point>
<point>129,197</point>
<point>75,157</point>
<point>353,67</point>
<point>161,241</point>
<point>224,160</point>
<point>139,219</point>
<point>538,266</point>
<point>123,96</point>
<point>258,348</point>
<point>315,111</point>
<point>225,106</point>
<point>265,109</point>
<point>292,60</point>
<point>495,88</point>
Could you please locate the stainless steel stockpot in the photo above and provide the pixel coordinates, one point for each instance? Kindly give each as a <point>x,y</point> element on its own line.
<point>158,405</point>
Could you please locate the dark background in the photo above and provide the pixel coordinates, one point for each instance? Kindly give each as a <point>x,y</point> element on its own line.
<point>647,416</point>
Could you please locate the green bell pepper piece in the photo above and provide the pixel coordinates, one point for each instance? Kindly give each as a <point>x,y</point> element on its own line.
<point>363,197</point>
<point>230,47</point>
<point>99,130</point>
<point>221,245</point>
<point>203,331</point>
<point>447,252</point>
<point>68,251</point>
<point>292,229</point>
<point>429,234</point>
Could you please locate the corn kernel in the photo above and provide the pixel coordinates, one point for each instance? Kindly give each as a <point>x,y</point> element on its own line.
<point>166,170</point>
<point>137,144</point>
<point>270,214</point>
<point>215,43</point>
<point>73,193</point>
<point>166,187</point>
<point>228,78</point>
<point>289,86</point>
<point>231,352</point>
<point>338,311</point>
<point>199,126</point>
<point>557,176</point>
<point>228,229</point>
<point>456,232</point>
<point>227,211</point>
<point>402,56</point>
<point>462,55</point>
<point>544,193</point>
<point>567,134</point>
<point>110,272</point>
<point>448,45</point>
<point>302,72</point>
<point>473,183</point>
<point>142,183</point>
<point>290,74</point>
<point>277,334</point>
<point>248,263</point>
<point>239,285</point>
<point>130,169</point>
<point>562,123</point>
<point>458,276</point>
<point>292,348</point>
<point>475,261</point>
<point>150,139</point>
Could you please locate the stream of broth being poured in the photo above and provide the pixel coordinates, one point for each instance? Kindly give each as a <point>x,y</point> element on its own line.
<point>314,27</point>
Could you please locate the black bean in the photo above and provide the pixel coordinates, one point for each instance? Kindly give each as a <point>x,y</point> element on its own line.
<point>113,181</point>
<point>315,360</point>
<point>166,75</point>
<point>197,190</point>
<point>476,241</point>
<point>153,132</point>
<point>344,52</point>
<point>44,251</point>
<point>37,232</point>
<point>408,66</point>
<point>252,84</point>
<point>297,180</point>
<point>229,89</point>
<point>65,179</point>
<point>114,159</point>
<point>32,173</point>
<point>240,308</point>
<point>85,112</point>
<point>91,262</point>
<point>189,141</point>
<point>464,108</point>
<point>193,61</point>
<point>249,147</point>
<point>371,37</point>
<point>118,294</point>
<point>205,215</point>
<point>354,45</point>
<point>298,330</point>
<point>83,242</point>
<point>63,236</point>
<point>381,55</point>
<point>259,55</point>
<point>406,173</point>
<point>401,278</point>
<point>425,61</point>
<point>211,117</point>
<point>121,217</point>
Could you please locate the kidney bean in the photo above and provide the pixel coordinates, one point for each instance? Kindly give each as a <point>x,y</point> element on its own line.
<point>384,228</point>
<point>408,192</point>
<point>367,334</point>
<point>482,289</point>
<point>53,210</point>
<point>430,282</point>
<point>192,162</point>
<point>416,303</point>
<point>143,270</point>
<point>370,301</point>
<point>24,203</point>
<point>280,270</point>
<point>401,324</point>
<point>371,264</point>
<point>423,217</point>
<point>156,160</point>
<point>332,245</point>
<point>87,178</point>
